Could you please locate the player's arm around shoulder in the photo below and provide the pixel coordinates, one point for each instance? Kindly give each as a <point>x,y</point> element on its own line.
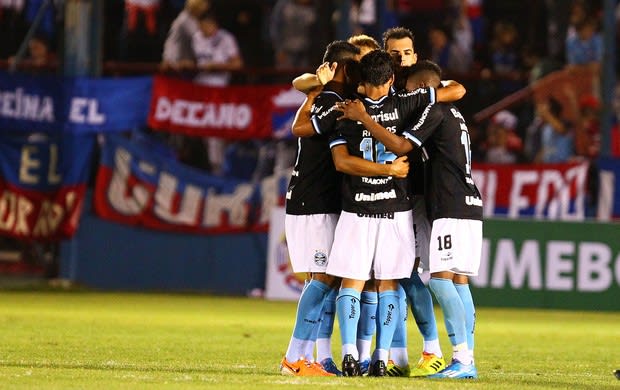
<point>450,91</point>
<point>307,82</point>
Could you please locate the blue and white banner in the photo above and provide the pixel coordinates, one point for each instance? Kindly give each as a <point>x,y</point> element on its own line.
<point>52,104</point>
<point>138,186</point>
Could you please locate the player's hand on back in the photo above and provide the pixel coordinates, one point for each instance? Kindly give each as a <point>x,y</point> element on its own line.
<point>352,109</point>
<point>399,167</point>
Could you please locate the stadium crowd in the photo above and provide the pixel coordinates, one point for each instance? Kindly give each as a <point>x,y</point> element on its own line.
<point>480,43</point>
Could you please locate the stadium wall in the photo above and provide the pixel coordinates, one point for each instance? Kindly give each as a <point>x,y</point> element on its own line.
<point>110,256</point>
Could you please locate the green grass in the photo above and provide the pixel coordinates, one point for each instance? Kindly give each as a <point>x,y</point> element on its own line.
<point>85,340</point>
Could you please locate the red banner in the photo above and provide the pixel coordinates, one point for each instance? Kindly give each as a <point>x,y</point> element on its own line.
<point>235,112</point>
<point>36,216</point>
<point>546,191</point>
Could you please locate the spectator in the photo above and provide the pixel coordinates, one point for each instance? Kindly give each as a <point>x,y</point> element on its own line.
<point>503,144</point>
<point>504,55</point>
<point>556,133</point>
<point>217,53</point>
<point>473,10</point>
<point>462,29</point>
<point>503,60</point>
<point>39,55</point>
<point>588,127</point>
<point>586,47</point>
<point>292,28</point>
<point>145,9</point>
<point>178,53</point>
<point>364,17</point>
<point>448,55</point>
<point>140,33</point>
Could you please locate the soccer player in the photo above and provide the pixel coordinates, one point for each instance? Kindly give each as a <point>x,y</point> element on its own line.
<point>455,211</point>
<point>313,204</point>
<point>367,322</point>
<point>399,42</point>
<point>374,235</point>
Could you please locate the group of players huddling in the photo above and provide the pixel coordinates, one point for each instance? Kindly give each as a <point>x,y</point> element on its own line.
<point>381,187</point>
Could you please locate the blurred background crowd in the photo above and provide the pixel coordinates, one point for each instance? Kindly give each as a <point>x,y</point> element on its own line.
<point>495,48</point>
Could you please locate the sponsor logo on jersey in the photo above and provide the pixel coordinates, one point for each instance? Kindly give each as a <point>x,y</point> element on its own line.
<point>375,196</point>
<point>324,114</point>
<point>320,258</point>
<point>473,201</point>
<point>457,114</point>
<point>385,116</point>
<point>421,91</point>
<point>376,181</point>
<point>446,257</point>
<point>376,215</point>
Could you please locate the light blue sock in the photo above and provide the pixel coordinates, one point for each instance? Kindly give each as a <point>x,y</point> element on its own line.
<point>348,311</point>
<point>400,333</point>
<point>452,307</point>
<point>368,315</point>
<point>470,312</point>
<point>388,314</point>
<point>327,317</point>
<point>326,326</point>
<point>309,309</point>
<point>421,306</point>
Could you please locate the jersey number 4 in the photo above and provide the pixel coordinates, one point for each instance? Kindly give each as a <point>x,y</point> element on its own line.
<point>377,152</point>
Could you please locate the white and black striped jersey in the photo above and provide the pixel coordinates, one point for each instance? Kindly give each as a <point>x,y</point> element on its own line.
<point>451,191</point>
<point>315,185</point>
<point>378,195</point>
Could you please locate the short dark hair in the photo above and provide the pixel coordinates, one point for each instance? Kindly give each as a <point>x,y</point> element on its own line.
<point>424,66</point>
<point>397,33</point>
<point>340,51</point>
<point>423,69</point>
<point>376,67</point>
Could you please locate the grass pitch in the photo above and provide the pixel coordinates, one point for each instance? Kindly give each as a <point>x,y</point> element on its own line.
<point>86,340</point>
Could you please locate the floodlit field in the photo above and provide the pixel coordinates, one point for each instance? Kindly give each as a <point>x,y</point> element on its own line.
<point>85,340</point>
